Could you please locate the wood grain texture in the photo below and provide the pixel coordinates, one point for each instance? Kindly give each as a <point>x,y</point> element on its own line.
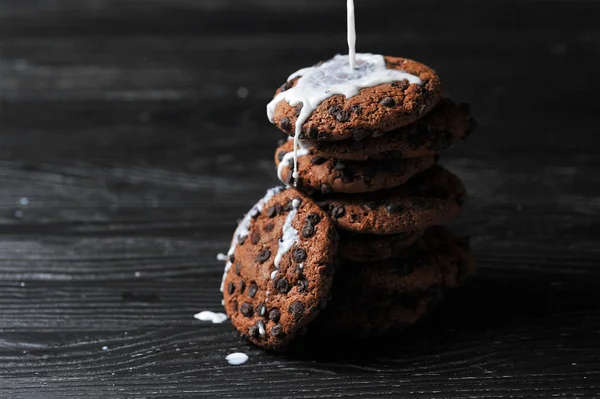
<point>127,155</point>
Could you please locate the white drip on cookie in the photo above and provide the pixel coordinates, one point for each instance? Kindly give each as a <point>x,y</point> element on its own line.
<point>243,228</point>
<point>289,236</point>
<point>334,77</point>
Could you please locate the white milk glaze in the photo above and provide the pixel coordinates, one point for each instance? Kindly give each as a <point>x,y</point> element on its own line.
<point>318,83</point>
<point>351,34</point>
<point>207,315</point>
<point>302,151</point>
<point>289,235</point>
<point>244,226</point>
<point>236,358</point>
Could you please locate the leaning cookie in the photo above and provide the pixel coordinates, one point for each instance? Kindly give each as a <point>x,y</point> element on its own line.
<point>373,110</point>
<point>280,268</point>
<point>329,175</point>
<point>428,199</point>
<point>371,248</point>
<point>446,124</point>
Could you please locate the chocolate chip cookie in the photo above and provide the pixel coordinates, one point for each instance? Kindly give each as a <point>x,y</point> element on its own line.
<point>370,247</point>
<point>330,175</point>
<point>374,110</point>
<point>446,124</point>
<point>439,259</point>
<point>427,199</point>
<point>280,268</point>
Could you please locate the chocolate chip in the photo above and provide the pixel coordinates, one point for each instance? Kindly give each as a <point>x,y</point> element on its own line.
<point>261,310</point>
<point>339,114</point>
<point>286,86</point>
<point>269,227</point>
<point>277,331</point>
<point>274,315</point>
<point>296,309</point>
<point>318,160</point>
<point>302,286</point>
<point>388,102</point>
<point>253,331</point>
<point>263,255</point>
<point>360,134</point>
<point>234,305</point>
<point>394,208</point>
<point>231,258</point>
<point>299,255</point>
<point>313,133</point>
<point>242,286</point>
<point>308,230</point>
<point>230,288</point>
<point>357,109</point>
<point>282,286</point>
<point>271,212</point>
<point>247,309</point>
<point>255,237</point>
<point>372,205</point>
<point>313,218</point>
<point>342,116</point>
<point>252,289</point>
<point>334,109</point>
<point>285,124</point>
<point>324,136</point>
<point>242,239</point>
<point>254,213</point>
<point>339,165</point>
<point>326,189</point>
<point>338,211</point>
<point>280,155</point>
<point>402,85</point>
<point>299,108</point>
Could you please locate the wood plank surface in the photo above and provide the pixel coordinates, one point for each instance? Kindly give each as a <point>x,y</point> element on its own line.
<point>133,135</point>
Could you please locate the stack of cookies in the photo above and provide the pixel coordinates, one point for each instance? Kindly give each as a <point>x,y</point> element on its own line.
<point>353,245</point>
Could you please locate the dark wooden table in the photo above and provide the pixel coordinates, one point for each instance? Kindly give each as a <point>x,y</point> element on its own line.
<point>133,134</point>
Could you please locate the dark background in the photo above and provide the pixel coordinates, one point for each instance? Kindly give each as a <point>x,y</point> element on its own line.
<point>128,151</point>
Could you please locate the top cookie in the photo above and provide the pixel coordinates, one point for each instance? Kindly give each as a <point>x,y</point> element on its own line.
<point>380,108</point>
<point>280,268</point>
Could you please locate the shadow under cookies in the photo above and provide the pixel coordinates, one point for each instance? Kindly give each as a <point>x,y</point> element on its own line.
<point>489,310</point>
